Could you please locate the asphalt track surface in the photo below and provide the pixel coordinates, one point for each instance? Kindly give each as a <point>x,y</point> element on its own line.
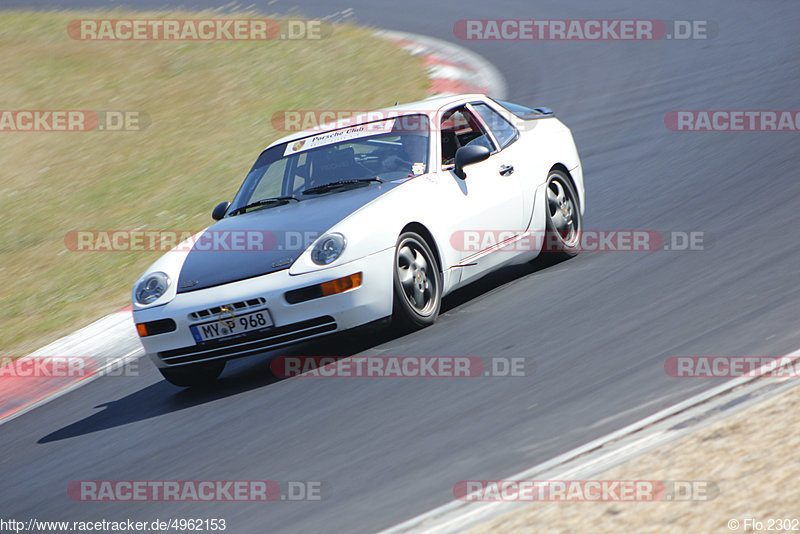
<point>596,329</point>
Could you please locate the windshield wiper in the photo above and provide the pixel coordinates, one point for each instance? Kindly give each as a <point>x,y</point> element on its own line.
<point>339,183</point>
<point>275,201</point>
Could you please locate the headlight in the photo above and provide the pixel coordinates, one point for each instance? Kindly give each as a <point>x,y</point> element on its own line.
<point>327,249</point>
<point>152,287</point>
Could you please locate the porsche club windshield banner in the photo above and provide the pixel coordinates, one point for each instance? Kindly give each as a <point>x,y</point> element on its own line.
<point>337,136</point>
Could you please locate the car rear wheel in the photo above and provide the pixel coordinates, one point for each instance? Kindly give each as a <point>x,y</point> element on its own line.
<point>198,374</point>
<point>417,283</point>
<point>563,224</point>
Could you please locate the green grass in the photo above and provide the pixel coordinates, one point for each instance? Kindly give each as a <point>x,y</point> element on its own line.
<point>210,104</point>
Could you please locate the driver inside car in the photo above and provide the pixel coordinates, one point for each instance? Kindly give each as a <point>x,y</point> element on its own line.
<point>412,158</point>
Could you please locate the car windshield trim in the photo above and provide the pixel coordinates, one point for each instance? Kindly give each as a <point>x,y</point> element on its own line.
<point>265,202</point>
<point>324,188</point>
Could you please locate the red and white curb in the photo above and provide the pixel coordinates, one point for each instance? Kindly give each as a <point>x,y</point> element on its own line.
<point>47,374</point>
<point>452,69</point>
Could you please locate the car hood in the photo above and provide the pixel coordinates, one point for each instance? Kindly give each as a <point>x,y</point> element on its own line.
<point>267,240</point>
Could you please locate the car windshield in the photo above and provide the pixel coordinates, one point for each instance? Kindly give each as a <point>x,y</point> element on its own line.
<point>385,150</point>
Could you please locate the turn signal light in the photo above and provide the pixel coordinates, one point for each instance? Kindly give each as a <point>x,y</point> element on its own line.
<point>341,285</point>
<point>325,289</point>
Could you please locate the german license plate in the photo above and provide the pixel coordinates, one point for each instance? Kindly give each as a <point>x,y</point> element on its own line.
<point>227,326</point>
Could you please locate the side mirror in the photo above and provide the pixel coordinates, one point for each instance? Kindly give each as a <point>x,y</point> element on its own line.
<point>467,155</point>
<point>220,211</point>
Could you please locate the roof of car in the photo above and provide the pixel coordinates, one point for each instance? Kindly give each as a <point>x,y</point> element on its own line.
<point>428,106</point>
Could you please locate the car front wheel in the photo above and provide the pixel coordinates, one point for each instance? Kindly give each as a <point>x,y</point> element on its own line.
<point>563,218</point>
<point>417,282</point>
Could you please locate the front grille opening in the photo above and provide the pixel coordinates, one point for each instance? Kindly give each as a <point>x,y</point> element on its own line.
<point>251,343</point>
<point>238,306</point>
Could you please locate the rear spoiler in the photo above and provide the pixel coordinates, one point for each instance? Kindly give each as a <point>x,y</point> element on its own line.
<point>524,112</point>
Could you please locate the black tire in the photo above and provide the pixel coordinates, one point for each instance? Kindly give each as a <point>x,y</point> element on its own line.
<point>563,218</point>
<point>417,298</point>
<point>194,375</point>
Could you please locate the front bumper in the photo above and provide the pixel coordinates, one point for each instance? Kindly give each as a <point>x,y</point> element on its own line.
<point>292,323</point>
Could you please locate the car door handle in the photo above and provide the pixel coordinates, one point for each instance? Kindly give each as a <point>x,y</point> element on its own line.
<point>506,170</point>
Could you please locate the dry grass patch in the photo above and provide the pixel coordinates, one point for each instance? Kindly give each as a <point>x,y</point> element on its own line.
<point>210,103</point>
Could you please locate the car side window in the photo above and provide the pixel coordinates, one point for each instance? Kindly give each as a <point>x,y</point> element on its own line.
<point>503,131</point>
<point>459,127</point>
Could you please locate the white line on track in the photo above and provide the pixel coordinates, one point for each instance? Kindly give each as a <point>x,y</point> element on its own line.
<point>601,454</point>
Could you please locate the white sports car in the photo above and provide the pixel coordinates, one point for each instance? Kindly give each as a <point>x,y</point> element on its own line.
<point>373,217</point>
